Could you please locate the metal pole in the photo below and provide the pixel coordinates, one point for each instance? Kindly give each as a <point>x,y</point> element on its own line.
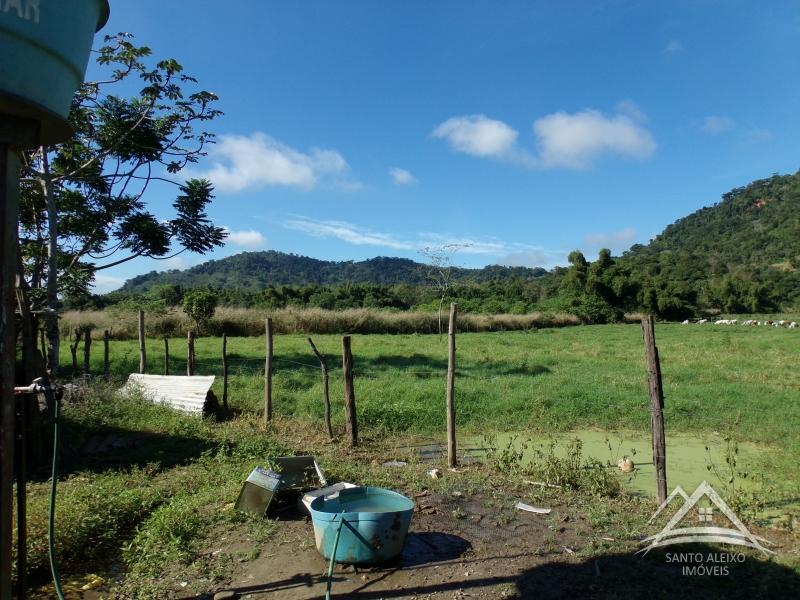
<point>13,133</point>
<point>8,253</point>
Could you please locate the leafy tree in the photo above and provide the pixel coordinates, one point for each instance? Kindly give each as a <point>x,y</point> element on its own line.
<point>171,294</point>
<point>83,206</point>
<point>199,306</point>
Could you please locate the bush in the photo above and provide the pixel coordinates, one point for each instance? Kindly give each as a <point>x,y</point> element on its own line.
<point>199,306</point>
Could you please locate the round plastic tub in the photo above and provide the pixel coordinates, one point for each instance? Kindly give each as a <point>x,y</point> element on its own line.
<point>375,524</point>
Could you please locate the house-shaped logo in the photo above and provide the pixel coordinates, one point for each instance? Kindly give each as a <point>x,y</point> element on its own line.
<point>671,534</point>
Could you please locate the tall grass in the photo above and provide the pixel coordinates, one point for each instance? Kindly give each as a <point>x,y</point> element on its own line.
<point>250,322</point>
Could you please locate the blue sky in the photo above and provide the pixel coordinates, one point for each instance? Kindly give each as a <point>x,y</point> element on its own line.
<point>355,129</point>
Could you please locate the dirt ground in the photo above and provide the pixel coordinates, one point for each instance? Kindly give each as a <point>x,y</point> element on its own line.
<point>476,546</point>
<point>455,549</point>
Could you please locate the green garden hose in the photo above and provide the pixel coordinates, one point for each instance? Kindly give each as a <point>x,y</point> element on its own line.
<point>333,559</point>
<point>53,479</point>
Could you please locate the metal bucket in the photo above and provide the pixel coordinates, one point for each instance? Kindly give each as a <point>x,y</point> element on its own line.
<point>46,47</point>
<point>376,522</point>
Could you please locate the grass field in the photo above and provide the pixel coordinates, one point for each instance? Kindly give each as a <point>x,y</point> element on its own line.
<point>544,380</point>
<point>149,511</point>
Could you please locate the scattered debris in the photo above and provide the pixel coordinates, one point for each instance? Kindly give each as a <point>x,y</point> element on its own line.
<point>258,490</point>
<point>293,474</point>
<point>429,510</point>
<point>626,465</point>
<point>188,394</point>
<point>94,581</point>
<point>421,494</point>
<point>608,539</point>
<point>541,484</point>
<point>435,474</point>
<point>394,463</point>
<point>226,595</point>
<point>332,491</point>
<point>569,550</point>
<point>533,509</point>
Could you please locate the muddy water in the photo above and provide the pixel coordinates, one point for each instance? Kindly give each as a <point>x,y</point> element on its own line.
<point>689,457</point>
<point>688,460</point>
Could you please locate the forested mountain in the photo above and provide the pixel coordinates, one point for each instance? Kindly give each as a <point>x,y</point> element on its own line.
<point>738,255</point>
<point>741,254</point>
<point>256,270</point>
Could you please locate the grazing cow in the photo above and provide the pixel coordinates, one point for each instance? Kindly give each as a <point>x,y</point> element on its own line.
<point>701,321</point>
<point>686,322</point>
<point>793,325</point>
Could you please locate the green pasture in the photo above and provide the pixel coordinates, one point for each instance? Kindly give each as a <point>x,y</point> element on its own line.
<point>145,515</point>
<point>548,380</point>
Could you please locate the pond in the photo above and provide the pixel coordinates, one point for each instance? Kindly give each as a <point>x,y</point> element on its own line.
<point>691,458</point>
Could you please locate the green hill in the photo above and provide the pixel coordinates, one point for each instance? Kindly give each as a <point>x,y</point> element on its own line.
<point>253,271</point>
<point>738,255</point>
<point>741,254</point>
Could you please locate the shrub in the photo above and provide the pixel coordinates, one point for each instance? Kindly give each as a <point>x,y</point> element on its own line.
<point>199,306</point>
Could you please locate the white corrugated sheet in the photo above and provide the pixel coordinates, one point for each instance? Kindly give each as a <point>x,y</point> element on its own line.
<point>181,392</point>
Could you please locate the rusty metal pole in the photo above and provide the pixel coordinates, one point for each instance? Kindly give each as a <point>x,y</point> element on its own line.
<point>14,133</point>
<point>9,204</point>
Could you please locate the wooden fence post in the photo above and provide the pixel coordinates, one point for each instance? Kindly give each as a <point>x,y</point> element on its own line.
<point>451,387</point>
<point>106,363</point>
<point>73,350</point>
<point>268,373</point>
<point>325,395</point>
<point>190,353</point>
<point>349,392</point>
<point>87,350</point>
<point>225,371</point>
<point>142,355</point>
<point>656,394</point>
<point>166,356</point>
<point>43,345</point>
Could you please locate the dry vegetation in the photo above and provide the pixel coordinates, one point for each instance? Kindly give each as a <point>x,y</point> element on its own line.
<point>250,322</point>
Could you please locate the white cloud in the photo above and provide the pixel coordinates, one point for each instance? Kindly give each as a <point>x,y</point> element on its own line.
<point>573,141</point>
<point>347,232</point>
<point>401,176</point>
<point>531,258</point>
<point>563,140</point>
<point>463,245</point>
<point>758,134</point>
<point>106,283</point>
<point>714,124</point>
<point>249,238</point>
<point>176,262</point>
<point>673,47</point>
<point>250,162</point>
<point>477,135</point>
<point>613,239</point>
<point>629,108</point>
<point>359,236</point>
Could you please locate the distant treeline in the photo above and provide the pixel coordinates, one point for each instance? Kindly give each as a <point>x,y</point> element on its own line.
<point>596,292</point>
<point>741,255</point>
